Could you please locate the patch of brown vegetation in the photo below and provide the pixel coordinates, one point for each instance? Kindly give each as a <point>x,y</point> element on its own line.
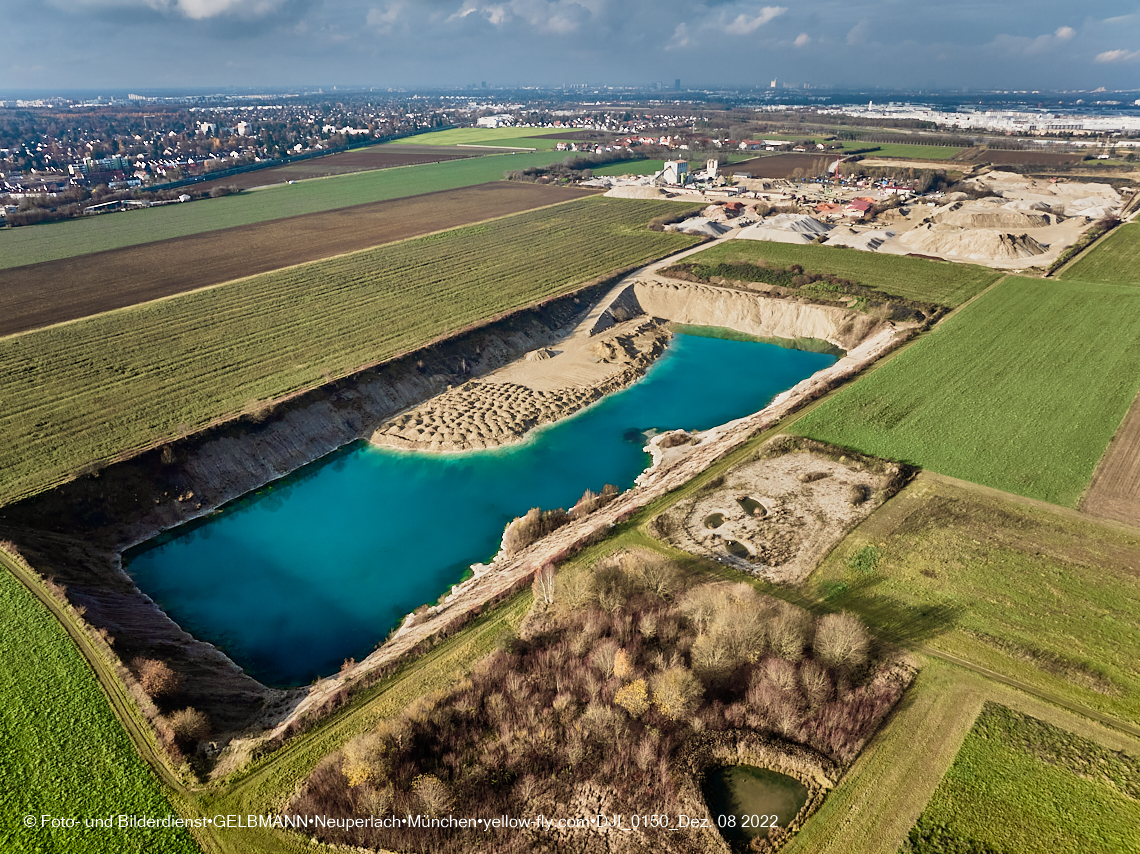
<point>603,704</point>
<point>56,291</point>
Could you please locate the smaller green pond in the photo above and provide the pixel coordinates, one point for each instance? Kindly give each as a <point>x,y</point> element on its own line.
<point>746,801</point>
<point>751,506</point>
<point>714,520</point>
<point>737,549</point>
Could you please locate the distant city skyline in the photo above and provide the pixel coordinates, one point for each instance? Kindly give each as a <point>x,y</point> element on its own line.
<point>893,43</point>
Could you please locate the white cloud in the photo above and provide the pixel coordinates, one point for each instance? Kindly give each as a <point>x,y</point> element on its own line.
<point>1064,33</point>
<point>548,16</point>
<point>680,38</point>
<point>744,24</point>
<point>802,39</point>
<point>1113,56</point>
<point>383,19</point>
<point>858,34</point>
<point>196,10</point>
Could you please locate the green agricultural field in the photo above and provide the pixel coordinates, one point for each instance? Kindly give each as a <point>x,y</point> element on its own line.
<point>1022,786</point>
<point>1036,594</point>
<point>62,752</point>
<point>85,391</point>
<point>1008,393</point>
<point>1116,259</point>
<point>941,282</point>
<point>32,244</point>
<point>520,137</point>
<point>906,151</point>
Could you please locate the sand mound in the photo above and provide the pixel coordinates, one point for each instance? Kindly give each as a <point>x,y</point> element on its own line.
<point>867,241</point>
<point>955,197</point>
<point>541,354</point>
<point>801,223</point>
<point>948,241</point>
<point>1070,198</point>
<point>786,228</point>
<point>988,214</point>
<point>1030,205</point>
<point>700,225</point>
<point>774,235</point>
<point>637,193</point>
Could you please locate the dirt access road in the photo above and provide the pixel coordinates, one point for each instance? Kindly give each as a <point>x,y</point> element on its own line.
<point>55,291</point>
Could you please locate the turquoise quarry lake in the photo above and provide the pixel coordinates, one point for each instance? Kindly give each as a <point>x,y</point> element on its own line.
<point>316,568</point>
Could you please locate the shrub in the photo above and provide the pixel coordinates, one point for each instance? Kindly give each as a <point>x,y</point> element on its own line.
<point>156,677</point>
<point>676,692</point>
<point>189,725</point>
<point>434,794</point>
<point>528,529</point>
<point>841,641</point>
<point>634,698</point>
<point>591,501</point>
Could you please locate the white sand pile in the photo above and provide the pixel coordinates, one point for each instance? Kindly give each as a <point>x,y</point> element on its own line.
<point>773,235</point>
<point>866,241</point>
<point>988,213</point>
<point>541,354</point>
<point>700,225</point>
<point>802,223</point>
<point>637,193</point>
<point>786,228</point>
<point>1070,198</point>
<point>955,197</point>
<point>1036,206</point>
<point>948,241</point>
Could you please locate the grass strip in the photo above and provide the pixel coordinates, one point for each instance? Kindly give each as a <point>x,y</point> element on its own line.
<point>1023,786</point>
<point>1116,260</point>
<point>63,754</point>
<point>942,282</point>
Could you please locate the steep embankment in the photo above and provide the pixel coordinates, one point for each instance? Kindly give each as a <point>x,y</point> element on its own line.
<point>708,305</point>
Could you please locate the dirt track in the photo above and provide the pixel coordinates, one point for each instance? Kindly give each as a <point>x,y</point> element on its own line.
<point>1114,492</point>
<point>55,291</point>
<point>361,160</point>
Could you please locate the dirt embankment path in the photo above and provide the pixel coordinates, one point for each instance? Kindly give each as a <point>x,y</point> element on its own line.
<point>56,291</point>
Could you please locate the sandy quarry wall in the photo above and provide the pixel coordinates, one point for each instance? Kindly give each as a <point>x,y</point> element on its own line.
<point>706,305</point>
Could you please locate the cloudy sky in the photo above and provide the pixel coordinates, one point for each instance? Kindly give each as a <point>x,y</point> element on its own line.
<point>135,44</point>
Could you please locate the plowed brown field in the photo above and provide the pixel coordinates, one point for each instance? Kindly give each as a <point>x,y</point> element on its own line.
<point>361,160</point>
<point>781,165</point>
<point>1114,492</point>
<point>41,294</point>
<point>1001,157</point>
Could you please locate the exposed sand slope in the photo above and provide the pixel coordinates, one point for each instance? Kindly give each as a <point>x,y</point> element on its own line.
<point>972,244</point>
<point>504,406</point>
<point>709,305</point>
